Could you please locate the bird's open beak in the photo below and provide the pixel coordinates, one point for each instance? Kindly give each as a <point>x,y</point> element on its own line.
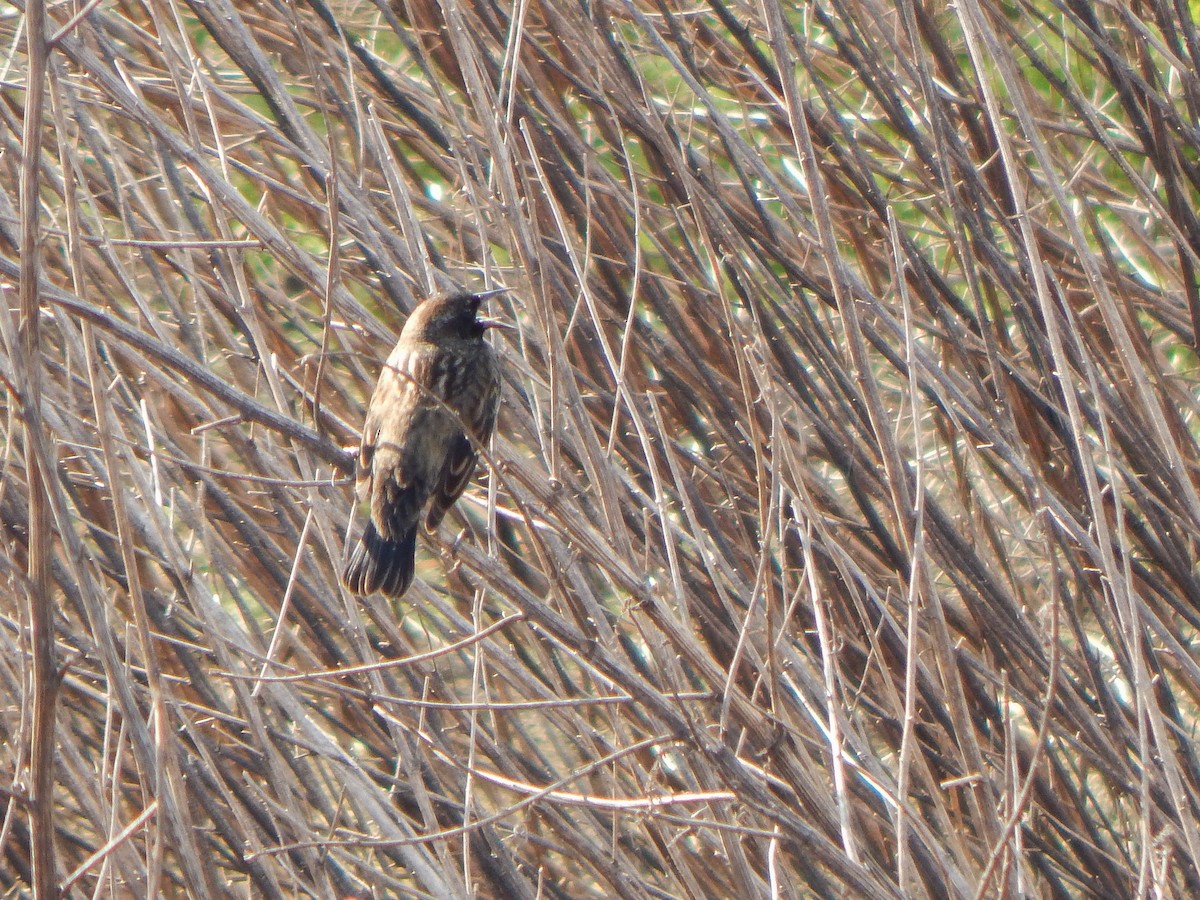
<point>494,323</point>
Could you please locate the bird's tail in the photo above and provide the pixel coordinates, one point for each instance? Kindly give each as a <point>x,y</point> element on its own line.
<point>383,565</point>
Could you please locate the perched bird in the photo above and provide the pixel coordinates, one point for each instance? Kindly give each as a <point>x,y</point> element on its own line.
<point>435,403</point>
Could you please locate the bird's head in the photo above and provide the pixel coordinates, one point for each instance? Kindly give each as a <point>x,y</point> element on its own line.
<point>450,317</point>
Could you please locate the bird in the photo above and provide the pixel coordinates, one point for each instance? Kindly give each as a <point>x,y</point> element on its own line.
<point>434,405</point>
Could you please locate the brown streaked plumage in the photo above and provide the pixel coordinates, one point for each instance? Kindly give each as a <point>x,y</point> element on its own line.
<point>439,389</point>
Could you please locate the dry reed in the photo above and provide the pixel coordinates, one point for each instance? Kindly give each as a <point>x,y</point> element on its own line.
<point>840,533</point>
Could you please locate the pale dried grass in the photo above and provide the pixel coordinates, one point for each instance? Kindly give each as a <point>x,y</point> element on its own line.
<point>840,533</point>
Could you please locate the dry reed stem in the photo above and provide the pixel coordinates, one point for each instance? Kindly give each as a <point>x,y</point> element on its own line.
<point>839,537</point>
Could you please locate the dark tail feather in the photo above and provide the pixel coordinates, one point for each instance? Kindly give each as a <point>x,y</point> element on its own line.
<point>378,564</point>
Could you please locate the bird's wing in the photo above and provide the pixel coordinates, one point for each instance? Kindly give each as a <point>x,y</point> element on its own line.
<point>460,460</point>
<point>405,438</point>
<point>393,393</point>
<point>456,474</point>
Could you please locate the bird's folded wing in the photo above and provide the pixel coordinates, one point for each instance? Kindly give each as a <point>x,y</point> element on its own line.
<point>395,412</point>
<point>463,455</point>
<point>456,473</point>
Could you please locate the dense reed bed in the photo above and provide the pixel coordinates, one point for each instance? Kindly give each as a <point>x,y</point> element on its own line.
<point>839,536</point>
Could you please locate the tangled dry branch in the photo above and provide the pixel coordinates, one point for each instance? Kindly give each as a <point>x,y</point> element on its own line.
<point>839,537</point>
